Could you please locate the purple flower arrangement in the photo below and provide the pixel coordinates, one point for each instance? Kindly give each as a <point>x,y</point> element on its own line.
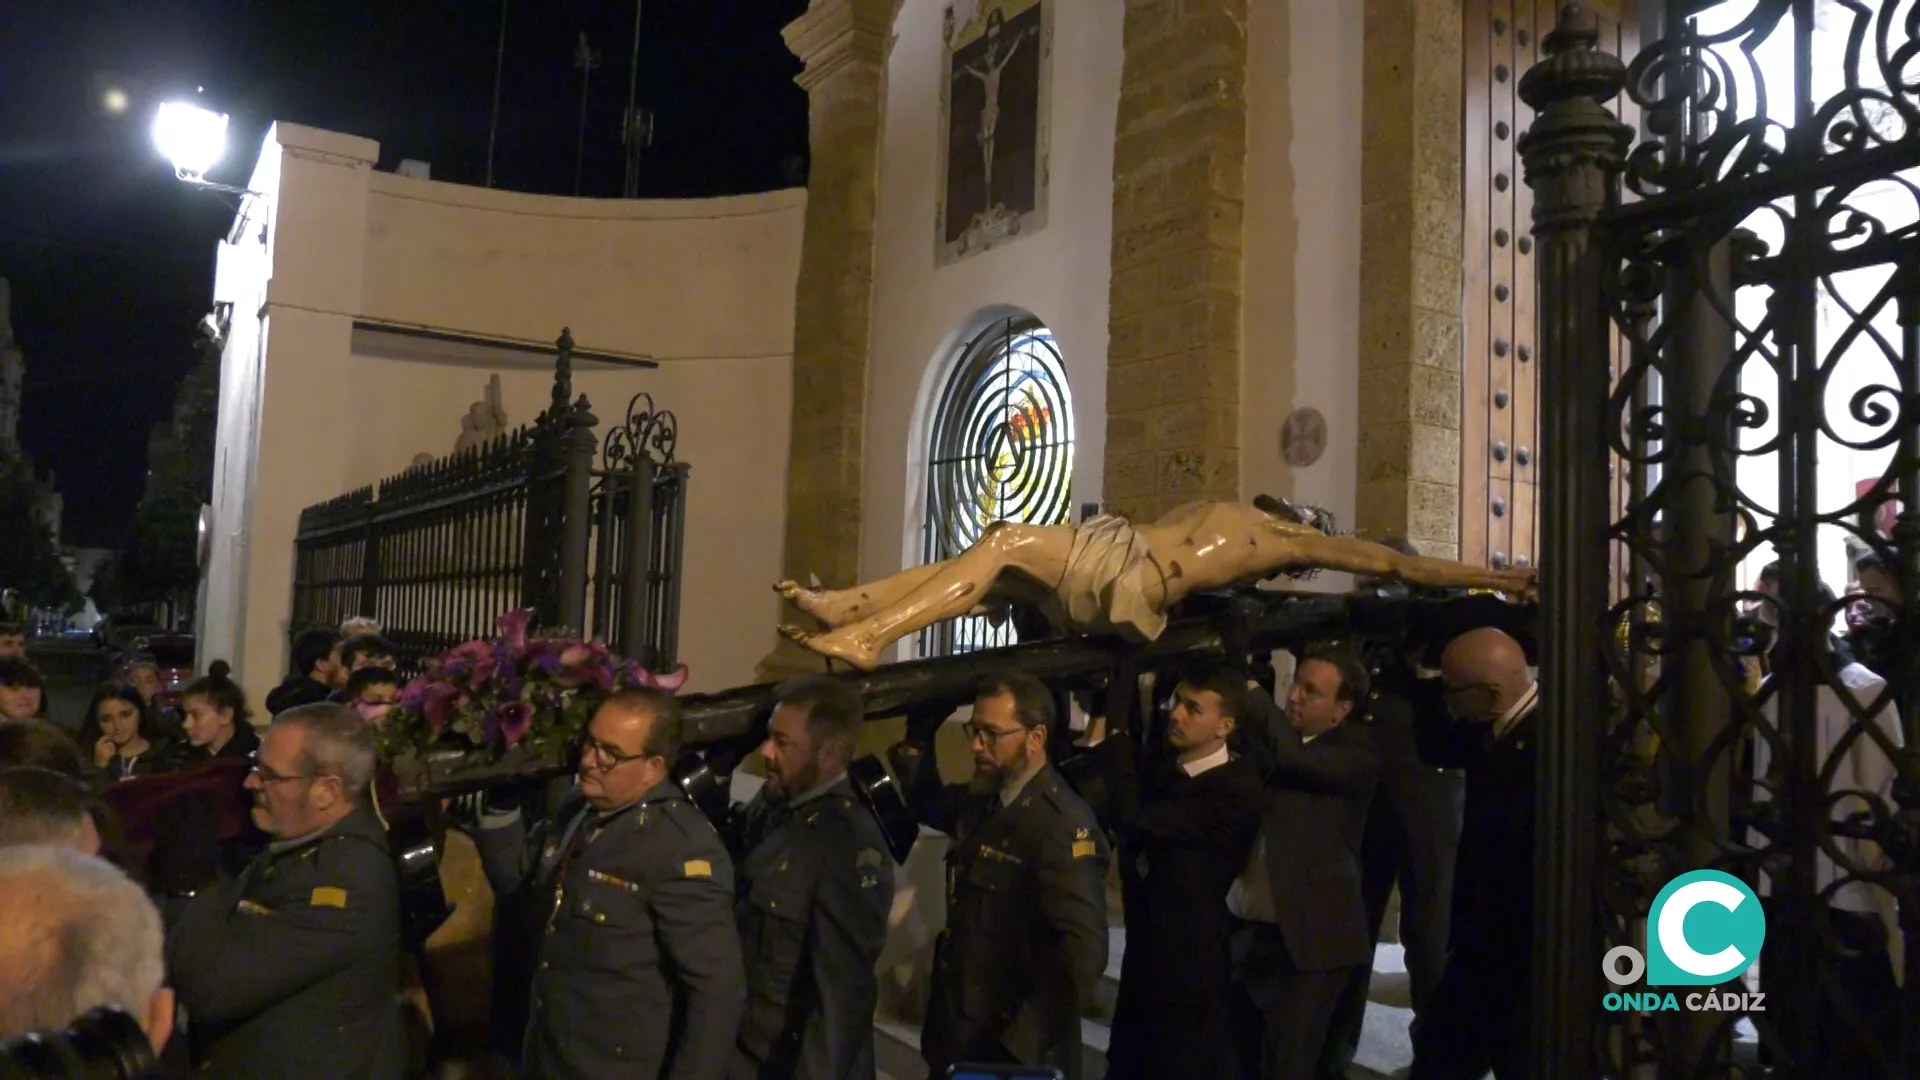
<point>513,691</point>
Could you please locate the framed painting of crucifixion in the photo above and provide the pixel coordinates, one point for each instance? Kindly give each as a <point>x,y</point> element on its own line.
<point>995,91</point>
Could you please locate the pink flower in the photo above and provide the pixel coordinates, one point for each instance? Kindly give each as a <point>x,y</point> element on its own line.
<point>513,629</point>
<point>438,706</point>
<point>515,719</point>
<point>415,692</point>
<point>483,672</point>
<point>471,651</point>
<point>575,654</point>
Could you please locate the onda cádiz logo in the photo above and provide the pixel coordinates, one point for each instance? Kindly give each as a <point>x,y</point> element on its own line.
<point>1705,929</point>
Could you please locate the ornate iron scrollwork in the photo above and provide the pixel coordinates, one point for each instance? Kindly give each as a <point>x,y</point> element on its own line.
<point>1765,288</point>
<point>647,430</point>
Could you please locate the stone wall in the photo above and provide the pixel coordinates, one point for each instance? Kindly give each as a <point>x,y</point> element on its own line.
<point>1173,377</point>
<point>1409,455</point>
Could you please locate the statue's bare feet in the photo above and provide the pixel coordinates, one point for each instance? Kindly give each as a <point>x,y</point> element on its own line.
<point>835,607</point>
<point>839,645</point>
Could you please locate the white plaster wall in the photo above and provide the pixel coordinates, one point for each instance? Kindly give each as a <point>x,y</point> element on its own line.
<point>1060,274</point>
<point>705,285</point>
<point>1301,270</point>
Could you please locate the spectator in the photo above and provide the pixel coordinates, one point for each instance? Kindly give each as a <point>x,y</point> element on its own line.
<point>373,691</point>
<point>316,655</point>
<point>365,651</point>
<point>123,736</point>
<point>41,745</point>
<point>78,935</point>
<point>142,672</point>
<point>13,641</point>
<point>358,625</point>
<point>218,724</point>
<point>40,806</point>
<point>22,689</point>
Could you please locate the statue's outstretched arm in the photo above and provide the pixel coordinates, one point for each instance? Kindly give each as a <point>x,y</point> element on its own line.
<point>1301,550</point>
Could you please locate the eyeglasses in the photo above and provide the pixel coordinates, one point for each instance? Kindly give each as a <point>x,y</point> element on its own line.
<point>612,757</point>
<point>268,776</point>
<point>977,734</point>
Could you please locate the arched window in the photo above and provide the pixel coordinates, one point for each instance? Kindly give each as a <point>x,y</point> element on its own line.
<point>1001,450</point>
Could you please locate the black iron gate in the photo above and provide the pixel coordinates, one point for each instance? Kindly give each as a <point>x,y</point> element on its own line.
<point>439,552</point>
<point>1764,274</point>
<point>639,519</point>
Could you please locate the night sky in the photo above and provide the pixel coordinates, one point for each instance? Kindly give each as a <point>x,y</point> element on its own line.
<point>111,258</point>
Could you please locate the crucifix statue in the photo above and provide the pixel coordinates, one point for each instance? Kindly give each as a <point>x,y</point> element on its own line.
<point>988,72</point>
<point>1108,576</point>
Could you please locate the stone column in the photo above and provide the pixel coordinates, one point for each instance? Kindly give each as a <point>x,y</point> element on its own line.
<point>1179,162</point>
<point>844,45</point>
<point>1410,265</point>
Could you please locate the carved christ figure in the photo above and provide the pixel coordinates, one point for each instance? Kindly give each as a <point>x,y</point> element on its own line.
<point>988,72</point>
<point>1107,576</point>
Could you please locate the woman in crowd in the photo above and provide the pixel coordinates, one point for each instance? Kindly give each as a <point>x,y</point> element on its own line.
<point>217,717</point>
<point>23,694</point>
<point>125,739</point>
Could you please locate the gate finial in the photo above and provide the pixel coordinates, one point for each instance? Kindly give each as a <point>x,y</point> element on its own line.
<point>1573,129</point>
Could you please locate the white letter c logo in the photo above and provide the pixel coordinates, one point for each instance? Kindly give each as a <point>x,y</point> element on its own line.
<point>1673,936</point>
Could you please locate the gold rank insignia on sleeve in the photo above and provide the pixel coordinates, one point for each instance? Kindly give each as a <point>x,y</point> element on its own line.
<point>253,907</point>
<point>329,896</point>
<point>698,868</point>
<point>868,857</point>
<point>1083,845</point>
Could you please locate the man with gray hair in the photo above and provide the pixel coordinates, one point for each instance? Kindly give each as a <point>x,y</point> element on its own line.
<point>293,969</point>
<point>40,806</point>
<point>78,935</point>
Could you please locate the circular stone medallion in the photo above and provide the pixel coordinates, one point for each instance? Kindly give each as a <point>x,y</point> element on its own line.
<point>1303,437</point>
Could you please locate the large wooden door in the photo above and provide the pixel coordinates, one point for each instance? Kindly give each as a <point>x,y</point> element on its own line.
<point>1499,430</point>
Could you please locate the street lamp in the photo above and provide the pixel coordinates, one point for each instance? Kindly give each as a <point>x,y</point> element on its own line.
<point>190,137</point>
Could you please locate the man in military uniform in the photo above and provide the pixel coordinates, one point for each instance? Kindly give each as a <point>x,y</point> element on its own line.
<point>1026,936</point>
<point>293,969</point>
<point>639,972</point>
<point>815,888</point>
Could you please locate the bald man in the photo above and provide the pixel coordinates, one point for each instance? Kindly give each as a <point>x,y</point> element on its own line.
<point>1478,1018</point>
<point>78,935</point>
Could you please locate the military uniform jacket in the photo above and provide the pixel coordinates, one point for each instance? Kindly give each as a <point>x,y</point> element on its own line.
<point>1026,937</point>
<point>639,972</point>
<point>815,888</point>
<point>293,969</point>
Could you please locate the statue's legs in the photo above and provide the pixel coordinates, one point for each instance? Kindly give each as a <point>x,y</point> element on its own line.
<point>837,607</point>
<point>950,589</point>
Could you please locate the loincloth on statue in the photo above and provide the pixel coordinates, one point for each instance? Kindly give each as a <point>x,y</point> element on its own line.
<point>1104,588</point>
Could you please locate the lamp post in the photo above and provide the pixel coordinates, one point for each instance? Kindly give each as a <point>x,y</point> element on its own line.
<point>194,140</point>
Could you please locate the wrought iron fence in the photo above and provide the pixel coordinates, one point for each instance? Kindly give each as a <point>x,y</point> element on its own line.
<point>1764,274</point>
<point>437,553</point>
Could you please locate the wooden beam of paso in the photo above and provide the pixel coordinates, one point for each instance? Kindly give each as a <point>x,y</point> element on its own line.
<point>1257,619</point>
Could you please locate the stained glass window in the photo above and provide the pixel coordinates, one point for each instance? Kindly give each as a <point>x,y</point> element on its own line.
<point>1001,449</point>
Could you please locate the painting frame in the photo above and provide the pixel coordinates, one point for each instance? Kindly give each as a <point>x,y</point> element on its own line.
<point>992,199</point>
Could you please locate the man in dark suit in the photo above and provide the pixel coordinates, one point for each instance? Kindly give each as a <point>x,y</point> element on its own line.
<point>1183,832</point>
<point>1026,937</point>
<point>1303,926</point>
<point>1478,1018</point>
<point>640,972</point>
